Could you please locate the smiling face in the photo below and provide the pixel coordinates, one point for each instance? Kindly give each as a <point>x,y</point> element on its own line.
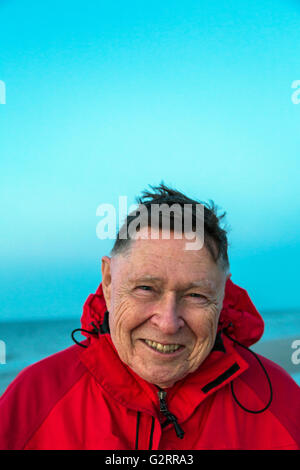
<point>164,304</point>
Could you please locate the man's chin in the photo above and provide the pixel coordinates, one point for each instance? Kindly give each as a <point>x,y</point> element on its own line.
<point>161,378</point>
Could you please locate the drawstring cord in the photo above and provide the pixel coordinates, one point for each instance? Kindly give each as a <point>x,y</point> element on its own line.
<point>265,372</point>
<point>97,330</point>
<point>137,430</point>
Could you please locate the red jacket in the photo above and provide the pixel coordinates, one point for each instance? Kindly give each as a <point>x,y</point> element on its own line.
<point>86,398</point>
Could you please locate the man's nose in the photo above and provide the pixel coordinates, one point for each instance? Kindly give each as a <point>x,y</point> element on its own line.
<point>166,316</point>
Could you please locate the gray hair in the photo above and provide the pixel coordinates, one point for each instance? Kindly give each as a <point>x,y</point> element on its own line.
<point>215,237</point>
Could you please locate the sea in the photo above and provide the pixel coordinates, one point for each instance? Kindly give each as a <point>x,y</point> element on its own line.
<point>24,343</point>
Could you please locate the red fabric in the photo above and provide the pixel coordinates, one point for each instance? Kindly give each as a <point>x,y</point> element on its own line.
<point>239,311</point>
<point>93,310</point>
<point>89,399</point>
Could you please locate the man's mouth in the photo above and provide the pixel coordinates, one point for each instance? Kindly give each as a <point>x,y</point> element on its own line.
<point>163,348</point>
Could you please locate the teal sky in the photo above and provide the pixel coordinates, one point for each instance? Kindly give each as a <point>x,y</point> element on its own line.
<point>105,98</point>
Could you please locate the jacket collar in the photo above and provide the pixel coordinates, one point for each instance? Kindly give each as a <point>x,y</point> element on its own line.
<point>221,366</point>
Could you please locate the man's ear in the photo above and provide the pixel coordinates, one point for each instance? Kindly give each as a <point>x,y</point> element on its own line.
<point>106,280</point>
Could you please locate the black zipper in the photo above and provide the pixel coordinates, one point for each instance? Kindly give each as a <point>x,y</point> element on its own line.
<point>171,418</point>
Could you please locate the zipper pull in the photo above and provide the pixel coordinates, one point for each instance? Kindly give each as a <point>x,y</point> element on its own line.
<point>162,401</point>
<point>164,410</point>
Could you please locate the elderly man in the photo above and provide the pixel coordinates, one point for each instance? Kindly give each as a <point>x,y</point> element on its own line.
<point>166,363</point>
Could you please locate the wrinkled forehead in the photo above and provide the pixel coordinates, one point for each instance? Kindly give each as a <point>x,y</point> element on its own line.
<point>166,261</point>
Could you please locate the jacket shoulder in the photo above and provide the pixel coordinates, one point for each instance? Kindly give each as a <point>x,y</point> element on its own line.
<point>280,379</point>
<point>285,404</point>
<point>29,399</point>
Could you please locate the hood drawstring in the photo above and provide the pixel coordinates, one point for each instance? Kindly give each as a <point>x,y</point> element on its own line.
<point>97,330</point>
<point>137,430</point>
<point>263,368</point>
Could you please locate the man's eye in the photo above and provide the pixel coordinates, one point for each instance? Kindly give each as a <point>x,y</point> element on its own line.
<point>197,296</point>
<point>145,288</point>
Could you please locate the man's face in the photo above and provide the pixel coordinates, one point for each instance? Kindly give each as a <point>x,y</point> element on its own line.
<point>164,304</point>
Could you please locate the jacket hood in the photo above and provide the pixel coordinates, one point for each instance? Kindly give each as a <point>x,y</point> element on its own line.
<point>238,315</point>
